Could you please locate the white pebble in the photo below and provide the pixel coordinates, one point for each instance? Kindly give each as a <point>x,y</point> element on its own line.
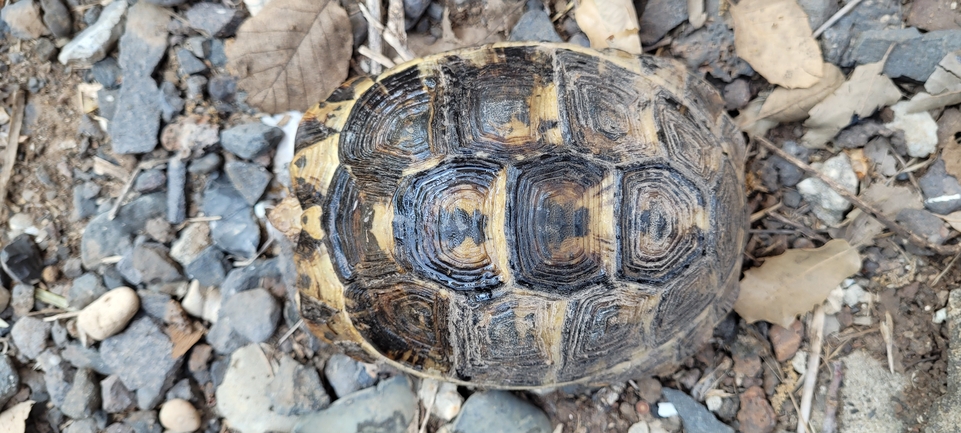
<point>179,416</point>
<point>448,402</point>
<point>800,362</point>
<point>828,205</point>
<point>920,130</point>
<point>714,403</point>
<point>666,410</point>
<point>940,316</point>
<point>92,43</point>
<point>640,427</point>
<point>853,295</point>
<point>109,314</point>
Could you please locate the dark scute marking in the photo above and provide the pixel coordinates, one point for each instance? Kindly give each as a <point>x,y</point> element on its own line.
<point>307,245</point>
<point>685,131</point>
<point>347,222</point>
<point>315,311</point>
<point>301,162</point>
<point>458,226</point>
<point>550,200</point>
<point>598,327</point>
<point>310,131</point>
<point>407,322</point>
<point>341,94</point>
<point>307,194</point>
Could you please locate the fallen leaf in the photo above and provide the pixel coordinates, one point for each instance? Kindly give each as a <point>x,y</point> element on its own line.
<point>748,120</point>
<point>792,105</point>
<point>292,54</point>
<point>889,200</point>
<point>947,76</point>
<point>925,102</point>
<point>612,25</point>
<point>864,93</point>
<point>953,219</point>
<point>774,37</point>
<point>794,282</point>
<point>14,420</point>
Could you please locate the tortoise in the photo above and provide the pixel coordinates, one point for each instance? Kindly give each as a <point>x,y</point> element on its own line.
<point>520,215</point>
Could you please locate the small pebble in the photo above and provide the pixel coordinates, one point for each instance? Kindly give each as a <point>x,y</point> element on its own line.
<point>666,410</point>
<point>109,314</point>
<point>179,416</point>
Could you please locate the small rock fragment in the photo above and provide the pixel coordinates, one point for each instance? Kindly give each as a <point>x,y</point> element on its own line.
<point>828,205</point>
<point>141,356</point>
<point>94,42</point>
<point>84,290</point>
<point>786,341</point>
<point>253,314</point>
<point>920,130</point>
<point>237,232</point>
<point>296,389</point>
<point>188,63</point>
<point>346,375</point>
<point>660,17</point>
<point>83,399</point>
<point>251,139</point>
<point>86,425</point>
<point>392,406</point>
<point>107,73</point>
<point>925,224</point>
<point>84,357</point>
<point>9,379</point>
<point>498,412</point>
<point>30,335</point>
<point>535,25</point>
<point>694,416</point>
<point>179,416</point>
<point>208,267</point>
<point>57,18</point>
<point>21,260</point>
<point>214,19</point>
<point>249,179</point>
<point>756,414</point>
<point>242,397</point>
<point>23,20</point>
<point>150,181</point>
<point>116,397</point>
<point>942,192</point>
<point>22,299</point>
<point>149,264</point>
<point>109,314</point>
<point>192,241</point>
<point>914,56</point>
<point>818,11</point>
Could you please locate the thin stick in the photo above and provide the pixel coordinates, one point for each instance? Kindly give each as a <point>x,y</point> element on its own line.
<point>374,39</point>
<point>837,16</point>
<point>946,268</point>
<point>291,331</point>
<point>946,250</point>
<point>830,424</point>
<point>811,374</point>
<point>389,36</point>
<point>763,212</point>
<point>887,329</point>
<point>377,57</point>
<point>13,144</point>
<point>146,165</point>
<point>395,20</point>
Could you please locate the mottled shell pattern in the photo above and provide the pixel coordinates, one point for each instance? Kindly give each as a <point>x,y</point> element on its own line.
<point>520,215</point>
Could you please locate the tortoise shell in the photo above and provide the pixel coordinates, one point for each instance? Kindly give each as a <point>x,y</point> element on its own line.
<point>520,215</point>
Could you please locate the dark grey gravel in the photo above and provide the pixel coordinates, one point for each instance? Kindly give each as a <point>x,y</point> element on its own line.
<point>22,299</point>
<point>176,190</point>
<point>249,179</point>
<point>413,9</point>
<point>83,399</point>
<point>9,379</point>
<point>92,14</point>
<point>388,408</point>
<point>223,338</point>
<point>195,87</point>
<point>296,389</point>
<point>915,55</point>
<point>500,412</point>
<point>119,428</point>
<point>21,260</point>
<point>250,139</point>
<point>116,397</point>
<point>30,336</point>
<point>45,50</point>
<point>198,46</point>
<point>171,104</point>
<point>144,421</point>
<point>57,18</point>
<point>346,375</point>
<point>87,425</point>
<point>217,56</point>
<point>924,223</point>
<point>208,267</point>
<point>150,181</point>
<point>149,263</point>
<point>84,203</point>
<point>222,88</point>
<point>54,376</point>
<point>181,390</point>
<point>660,17</point>
<point>213,19</point>
<point>253,314</point>
<point>205,164</point>
<point>710,49</point>
<point>694,416</point>
<point>939,189</point>
<point>107,73</point>
<point>251,276</point>
<point>188,63</point>
<point>154,304</point>
<point>84,357</point>
<point>84,290</point>
<point>535,25</point>
<point>868,15</point>
<point>237,232</point>
<point>141,357</point>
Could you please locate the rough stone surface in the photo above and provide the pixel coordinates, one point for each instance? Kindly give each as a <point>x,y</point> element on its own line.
<point>711,49</point>
<point>149,263</point>
<point>925,224</point>
<point>786,341</point>
<point>84,290</point>
<point>116,397</point>
<point>828,205</point>
<point>223,338</point>
<point>207,267</point>
<point>346,375</point>
<point>756,414</point>
<point>188,63</point>
<point>176,195</point>
<point>141,357</point>
<point>868,15</point>
<point>23,20</point>
<point>945,416</point>
<point>107,73</point>
<point>104,238</point>
<point>22,299</point>
<point>253,314</point>
<point>250,139</point>
<point>30,335</point>
<point>242,398</point>
<point>9,379</point>
<point>83,399</point>
<point>84,205</point>
<point>942,192</point>
<point>389,408</point>
<point>499,412</point>
<point>933,15</point>
<point>296,389</point>
<point>659,17</point>
<point>694,416</point>
<point>818,11</point>
<point>93,43</point>
<point>150,181</point>
<point>87,425</point>
<point>213,19</point>
<point>57,18</point>
<point>84,357</point>
<point>914,56</point>
<point>54,376</point>
<point>21,260</point>
<point>535,25</point>
<point>237,232</point>
<point>249,179</point>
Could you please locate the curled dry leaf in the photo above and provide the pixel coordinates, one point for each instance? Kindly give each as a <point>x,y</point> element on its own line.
<point>292,54</point>
<point>14,420</point>
<point>774,37</point>
<point>794,282</point>
<point>791,105</point>
<point>612,24</point>
<point>864,93</point>
<point>889,200</point>
<point>749,120</point>
<point>953,219</point>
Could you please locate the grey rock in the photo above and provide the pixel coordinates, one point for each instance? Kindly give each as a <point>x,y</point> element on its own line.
<point>54,376</point>
<point>223,338</point>
<point>249,179</point>
<point>84,205</point>
<point>250,139</point>
<point>85,357</point>
<point>694,416</point>
<point>711,48</point>
<point>413,9</point>
<point>85,290</point>
<point>166,3</point>
<point>92,14</point>
<point>660,17</point>
<point>107,100</point>
<point>87,425</point>
<point>868,15</point>
<point>937,184</point>
<point>195,87</point>
<point>37,385</point>
<point>826,204</point>
<point>58,332</point>
<point>30,335</point>
<point>22,299</point>
<point>84,396</point>
<point>857,135</point>
<point>154,304</point>
<point>171,104</point>
<point>789,174</point>
<point>222,88</point>
<point>924,223</point>
<point>103,238</point>
<point>580,39</point>
<point>9,379</point>
<point>119,428</point>
<point>213,19</point>
<point>253,314</point>
<point>198,46</point>
<point>176,191</point>
<point>45,50</point>
<point>737,94</point>
<point>818,11</point>
<point>150,181</point>
<point>205,164</point>
<point>144,41</point>
<point>141,357</point>
<point>116,397</point>
<point>791,198</point>
<point>188,63</point>
<point>296,389</point>
<point>144,421</point>
<point>208,267</point>
<point>347,375</point>
<point>500,412</point>
<point>388,408</point>
<point>23,20</point>
<point>535,25</point>
<point>149,263</point>
<point>94,42</point>
<point>237,232</point>
<point>181,390</point>
<point>160,230</point>
<point>218,55</point>
<point>914,56</point>
<point>57,18</point>
<point>21,260</point>
<point>252,276</point>
<point>72,267</point>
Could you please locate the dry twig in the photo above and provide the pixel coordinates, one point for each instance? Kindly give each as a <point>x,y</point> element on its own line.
<point>374,39</point>
<point>13,144</point>
<point>811,374</point>
<point>830,424</point>
<point>837,16</point>
<point>145,165</point>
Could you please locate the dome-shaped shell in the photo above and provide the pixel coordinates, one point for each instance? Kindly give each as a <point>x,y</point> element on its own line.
<point>520,215</point>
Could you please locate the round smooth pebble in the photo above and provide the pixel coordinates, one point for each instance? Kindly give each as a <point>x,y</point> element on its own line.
<point>179,416</point>
<point>109,314</point>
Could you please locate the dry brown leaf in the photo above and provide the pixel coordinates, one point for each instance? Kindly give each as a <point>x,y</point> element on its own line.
<point>794,282</point>
<point>612,25</point>
<point>14,420</point>
<point>953,219</point>
<point>748,120</point>
<point>792,105</point>
<point>925,102</point>
<point>292,54</point>
<point>889,200</point>
<point>864,93</point>
<point>774,37</point>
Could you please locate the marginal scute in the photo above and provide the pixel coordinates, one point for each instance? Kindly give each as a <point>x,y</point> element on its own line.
<point>688,138</point>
